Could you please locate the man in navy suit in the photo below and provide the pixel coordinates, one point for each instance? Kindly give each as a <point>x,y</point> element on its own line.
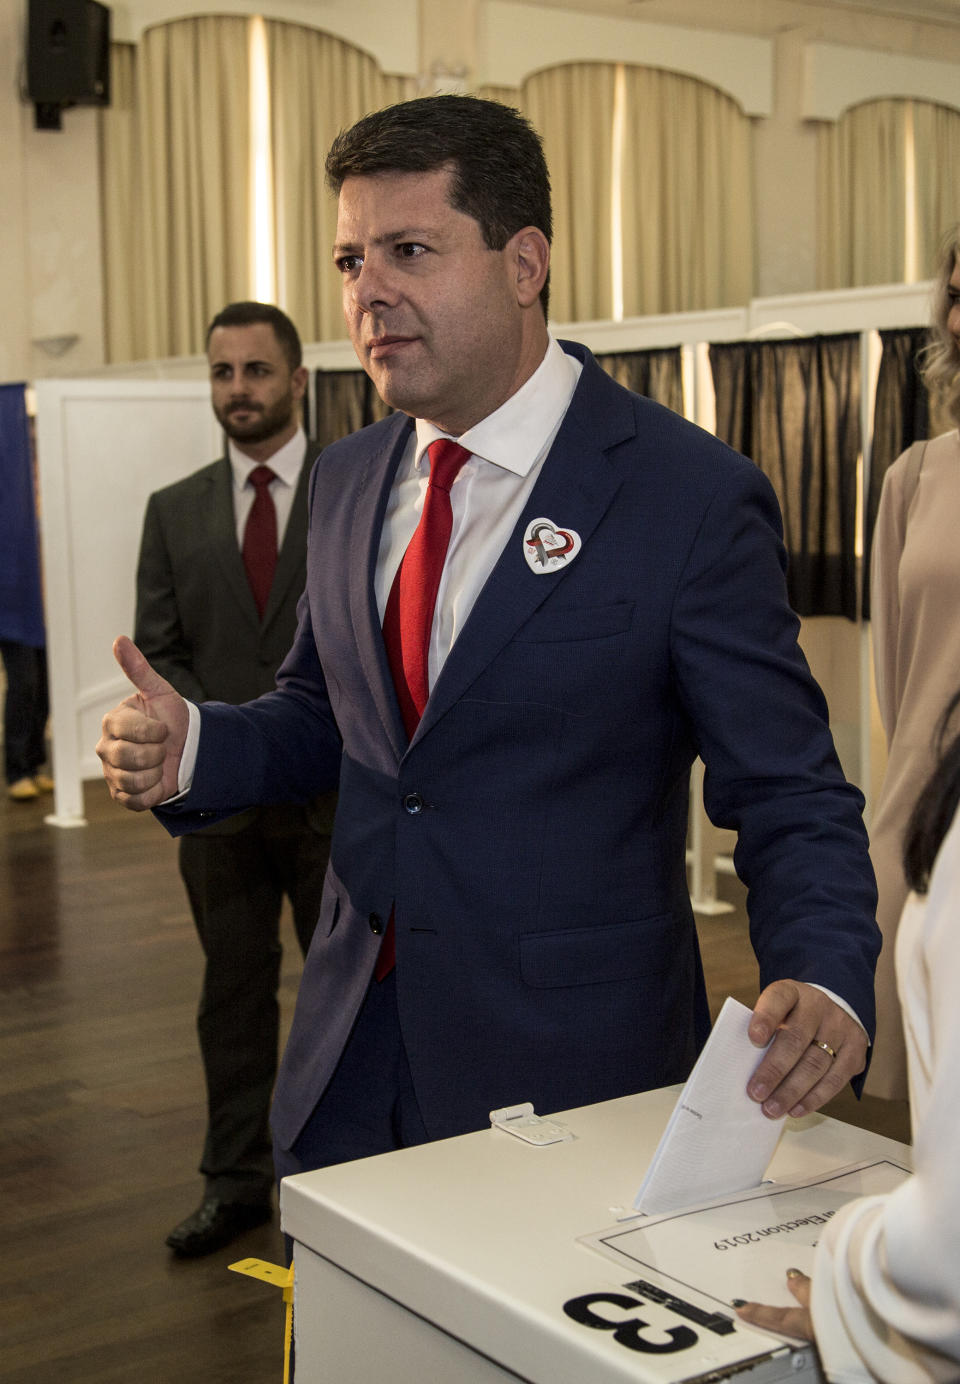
<point>612,604</point>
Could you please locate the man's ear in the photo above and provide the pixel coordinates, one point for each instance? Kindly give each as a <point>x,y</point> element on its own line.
<point>299,380</point>
<point>531,255</point>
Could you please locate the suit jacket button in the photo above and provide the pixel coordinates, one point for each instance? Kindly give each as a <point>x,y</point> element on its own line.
<point>413,803</point>
<point>376,924</point>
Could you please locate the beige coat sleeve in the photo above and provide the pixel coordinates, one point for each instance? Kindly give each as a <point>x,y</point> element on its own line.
<point>899,485</point>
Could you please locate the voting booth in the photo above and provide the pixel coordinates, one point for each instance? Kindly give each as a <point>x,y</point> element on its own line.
<point>490,1257</point>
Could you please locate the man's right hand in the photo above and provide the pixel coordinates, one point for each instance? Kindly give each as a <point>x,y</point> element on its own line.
<point>143,737</point>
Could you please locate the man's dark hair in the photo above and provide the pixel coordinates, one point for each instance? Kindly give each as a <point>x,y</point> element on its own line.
<point>500,175</point>
<point>247,314</point>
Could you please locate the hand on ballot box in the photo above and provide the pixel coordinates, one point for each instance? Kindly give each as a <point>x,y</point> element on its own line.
<point>787,1321</point>
<point>815,1049</point>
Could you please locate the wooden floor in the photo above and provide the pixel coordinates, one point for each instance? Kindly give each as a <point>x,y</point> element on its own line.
<point>101,1112</point>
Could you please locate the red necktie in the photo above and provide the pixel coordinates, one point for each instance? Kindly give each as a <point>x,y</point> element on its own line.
<point>260,537</point>
<point>408,619</point>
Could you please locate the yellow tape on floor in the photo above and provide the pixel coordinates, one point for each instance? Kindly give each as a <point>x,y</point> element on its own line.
<point>279,1277</point>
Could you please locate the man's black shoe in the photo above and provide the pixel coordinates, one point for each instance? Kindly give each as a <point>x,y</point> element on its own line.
<point>214,1224</point>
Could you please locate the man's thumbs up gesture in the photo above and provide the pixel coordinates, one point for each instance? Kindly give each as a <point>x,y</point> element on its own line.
<point>143,737</point>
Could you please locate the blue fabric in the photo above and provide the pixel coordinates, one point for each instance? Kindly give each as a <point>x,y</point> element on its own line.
<point>21,597</point>
<point>531,835</point>
<point>374,1061</point>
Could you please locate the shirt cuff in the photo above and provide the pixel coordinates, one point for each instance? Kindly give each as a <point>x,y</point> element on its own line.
<point>829,993</point>
<point>188,760</point>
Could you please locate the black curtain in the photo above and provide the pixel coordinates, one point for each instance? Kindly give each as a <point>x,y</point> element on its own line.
<point>656,374</point>
<point>793,407</point>
<point>901,415</point>
<point>343,401</point>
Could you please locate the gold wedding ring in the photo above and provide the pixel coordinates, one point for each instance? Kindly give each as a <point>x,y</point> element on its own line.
<point>815,1042</point>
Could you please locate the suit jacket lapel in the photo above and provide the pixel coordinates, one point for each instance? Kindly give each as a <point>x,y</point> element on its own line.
<point>223,539</point>
<point>577,483</point>
<point>366,528</point>
<point>292,556</point>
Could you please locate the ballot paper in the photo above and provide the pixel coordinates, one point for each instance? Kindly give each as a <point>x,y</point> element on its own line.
<point>717,1139</point>
<point>741,1245</point>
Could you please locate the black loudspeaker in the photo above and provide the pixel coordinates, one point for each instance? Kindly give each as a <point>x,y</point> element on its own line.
<point>68,57</point>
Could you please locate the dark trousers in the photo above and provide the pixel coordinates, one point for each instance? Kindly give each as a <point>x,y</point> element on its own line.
<point>25,709</point>
<point>236,885</point>
<point>370,1105</point>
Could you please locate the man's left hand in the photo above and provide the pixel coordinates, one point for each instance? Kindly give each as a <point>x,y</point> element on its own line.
<point>800,1072</point>
<point>789,1321</point>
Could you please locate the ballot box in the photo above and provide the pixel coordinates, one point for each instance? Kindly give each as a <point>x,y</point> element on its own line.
<point>489,1258</point>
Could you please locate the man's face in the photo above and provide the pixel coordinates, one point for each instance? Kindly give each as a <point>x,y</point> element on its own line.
<point>252,388</point>
<point>433,314</point>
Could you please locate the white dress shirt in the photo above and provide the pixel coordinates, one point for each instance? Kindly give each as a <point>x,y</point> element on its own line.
<point>507,450</point>
<point>286,464</point>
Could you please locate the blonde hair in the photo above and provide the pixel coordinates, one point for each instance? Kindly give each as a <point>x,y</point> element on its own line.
<point>940,360</point>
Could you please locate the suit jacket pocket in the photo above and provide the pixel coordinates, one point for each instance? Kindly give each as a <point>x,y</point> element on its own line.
<point>595,955</point>
<point>557,624</point>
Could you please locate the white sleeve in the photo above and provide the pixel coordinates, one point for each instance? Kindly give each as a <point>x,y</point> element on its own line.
<point>886,1284</point>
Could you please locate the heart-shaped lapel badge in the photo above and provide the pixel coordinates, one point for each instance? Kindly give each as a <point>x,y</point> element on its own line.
<point>549,548</point>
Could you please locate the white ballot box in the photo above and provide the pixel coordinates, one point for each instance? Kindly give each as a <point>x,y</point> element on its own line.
<point>464,1262</point>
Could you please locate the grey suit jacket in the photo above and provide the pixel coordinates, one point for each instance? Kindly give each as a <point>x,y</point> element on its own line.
<point>196,619</point>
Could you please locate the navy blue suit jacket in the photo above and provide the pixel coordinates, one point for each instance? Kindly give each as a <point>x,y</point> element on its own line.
<point>532,834</point>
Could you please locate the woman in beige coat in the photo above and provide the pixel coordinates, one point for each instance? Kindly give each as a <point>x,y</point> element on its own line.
<point>915,607</point>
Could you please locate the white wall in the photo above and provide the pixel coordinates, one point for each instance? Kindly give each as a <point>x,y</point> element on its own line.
<point>103,446</point>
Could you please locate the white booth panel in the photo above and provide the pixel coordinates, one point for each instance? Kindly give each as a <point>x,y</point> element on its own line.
<point>103,446</point>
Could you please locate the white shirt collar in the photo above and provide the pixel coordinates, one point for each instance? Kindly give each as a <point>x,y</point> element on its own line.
<point>514,435</point>
<point>286,463</point>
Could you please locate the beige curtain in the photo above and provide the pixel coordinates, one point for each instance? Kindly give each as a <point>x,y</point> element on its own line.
<point>687,196</point>
<point>507,96</point>
<point>318,86</point>
<point>682,187</point>
<point>861,196</point>
<point>572,108</point>
<point>195,162</point>
<point>121,208</point>
<point>176,176</point>
<point>936,142</point>
<point>175,185</point>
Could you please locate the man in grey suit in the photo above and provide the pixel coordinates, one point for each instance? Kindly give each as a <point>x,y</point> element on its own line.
<point>221,568</point>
